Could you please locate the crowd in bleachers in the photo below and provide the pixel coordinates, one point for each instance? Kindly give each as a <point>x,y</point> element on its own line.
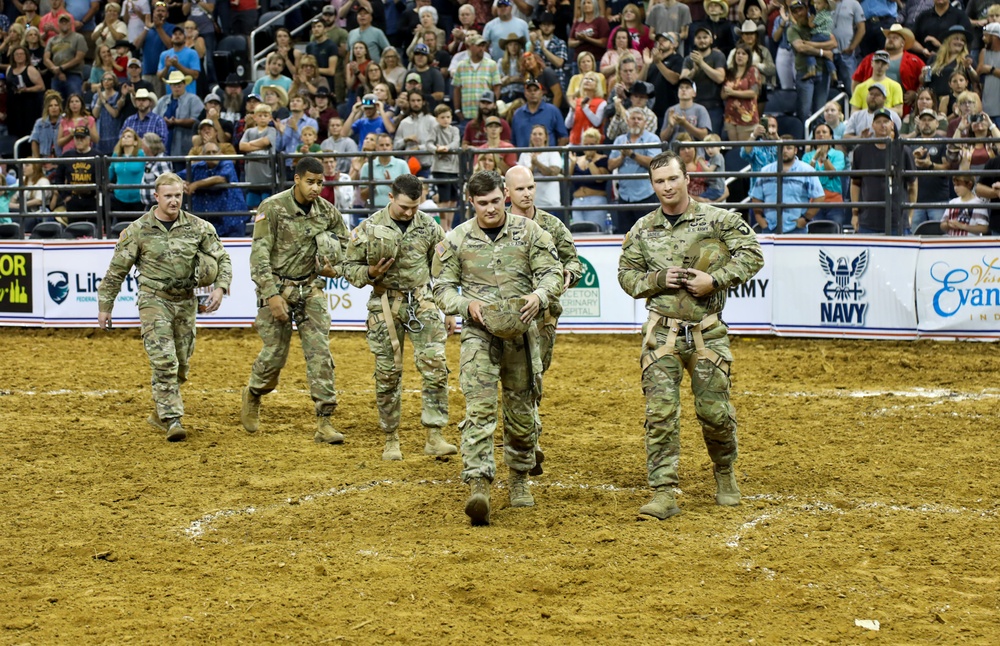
<point>417,82</point>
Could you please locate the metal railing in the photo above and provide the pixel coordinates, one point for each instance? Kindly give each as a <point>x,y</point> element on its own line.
<point>258,57</point>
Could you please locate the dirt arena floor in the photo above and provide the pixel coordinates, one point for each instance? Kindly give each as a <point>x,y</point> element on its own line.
<point>870,474</point>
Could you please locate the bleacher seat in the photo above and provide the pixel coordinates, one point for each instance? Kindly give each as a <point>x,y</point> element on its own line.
<point>249,228</point>
<point>584,227</point>
<point>117,229</point>
<point>76,230</point>
<point>47,231</point>
<point>11,231</point>
<point>823,226</point>
<point>928,228</point>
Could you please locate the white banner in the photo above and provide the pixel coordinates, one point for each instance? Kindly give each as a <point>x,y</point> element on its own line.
<point>851,287</point>
<point>958,288</point>
<point>22,283</point>
<point>597,303</point>
<point>748,306</point>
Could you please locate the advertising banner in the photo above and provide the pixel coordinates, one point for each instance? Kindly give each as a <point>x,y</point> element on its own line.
<point>597,303</point>
<point>958,288</point>
<point>856,287</point>
<point>22,283</point>
<point>748,306</point>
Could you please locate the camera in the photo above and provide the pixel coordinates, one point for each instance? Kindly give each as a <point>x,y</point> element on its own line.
<point>976,118</point>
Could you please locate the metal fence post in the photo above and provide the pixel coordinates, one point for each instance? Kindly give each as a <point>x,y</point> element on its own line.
<point>897,189</point>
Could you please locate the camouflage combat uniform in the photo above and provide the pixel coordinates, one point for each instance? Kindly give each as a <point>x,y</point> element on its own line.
<point>521,261</point>
<point>283,261</point>
<point>549,317</point>
<point>406,288</point>
<point>165,261</point>
<point>654,245</point>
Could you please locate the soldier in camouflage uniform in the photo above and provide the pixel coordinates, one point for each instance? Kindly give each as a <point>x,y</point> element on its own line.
<point>392,251</point>
<point>520,189</point>
<point>663,260</point>
<point>488,259</point>
<point>168,247</point>
<point>296,240</point>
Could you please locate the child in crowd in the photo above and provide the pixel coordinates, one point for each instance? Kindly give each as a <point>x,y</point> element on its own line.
<point>958,83</point>
<point>308,139</point>
<point>259,143</point>
<point>964,218</point>
<point>822,24</point>
<point>715,187</point>
<point>445,140</point>
<point>123,52</point>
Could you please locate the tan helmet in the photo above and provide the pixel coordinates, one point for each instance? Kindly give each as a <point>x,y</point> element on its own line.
<point>328,248</point>
<point>708,255</point>
<point>383,242</point>
<point>503,318</point>
<point>206,269</point>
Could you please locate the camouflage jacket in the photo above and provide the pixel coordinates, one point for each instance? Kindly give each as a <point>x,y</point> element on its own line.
<point>521,261</point>
<point>165,259</point>
<point>653,244</point>
<point>284,240</point>
<point>412,267</point>
<point>563,241</point>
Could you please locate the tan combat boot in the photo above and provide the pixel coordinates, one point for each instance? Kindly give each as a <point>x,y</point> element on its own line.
<point>436,444</point>
<point>539,458</point>
<point>662,506</point>
<point>477,507</point>
<point>520,490</point>
<point>325,433</point>
<point>175,432</point>
<point>250,410</point>
<point>154,421</point>
<point>727,493</point>
<point>391,451</point>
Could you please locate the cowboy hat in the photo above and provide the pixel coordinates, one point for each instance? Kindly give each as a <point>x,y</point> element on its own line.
<point>178,77</point>
<point>900,30</point>
<point>280,91</point>
<point>512,38</point>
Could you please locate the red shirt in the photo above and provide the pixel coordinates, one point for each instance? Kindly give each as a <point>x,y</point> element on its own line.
<point>909,73</point>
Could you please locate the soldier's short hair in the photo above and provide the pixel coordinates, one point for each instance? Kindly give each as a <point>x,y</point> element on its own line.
<point>664,159</point>
<point>408,185</point>
<point>167,178</point>
<point>484,182</point>
<point>308,165</point>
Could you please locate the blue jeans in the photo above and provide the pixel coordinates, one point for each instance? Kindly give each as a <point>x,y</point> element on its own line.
<point>812,94</point>
<point>597,216</point>
<point>924,215</point>
<point>845,64</point>
<point>72,85</point>
<point>841,216</point>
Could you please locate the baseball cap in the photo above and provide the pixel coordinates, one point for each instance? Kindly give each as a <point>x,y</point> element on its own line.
<point>881,55</point>
<point>880,87</point>
<point>322,91</point>
<point>546,16</point>
<point>796,4</point>
<point>488,97</point>
<point>493,120</point>
<point>330,10</point>
<point>687,81</point>
<point>368,100</point>
<point>206,122</point>
<point>668,36</point>
<point>927,112</point>
<point>81,131</point>
<point>882,112</point>
<point>64,16</point>
<point>704,28</point>
<point>178,28</point>
<point>254,96</point>
<point>531,80</point>
<point>641,88</point>
<point>474,39</point>
<point>421,49</point>
<point>993,29</point>
<point>213,97</point>
<point>414,77</point>
<point>134,61</point>
<point>503,3</point>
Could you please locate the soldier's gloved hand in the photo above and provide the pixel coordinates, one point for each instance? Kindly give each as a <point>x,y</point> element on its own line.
<point>278,307</point>
<point>669,278</point>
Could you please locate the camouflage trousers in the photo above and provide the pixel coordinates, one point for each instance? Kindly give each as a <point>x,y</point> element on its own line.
<point>710,384</point>
<point>314,333</point>
<point>486,362</point>
<point>168,332</point>
<point>428,354</point>
<point>546,341</point>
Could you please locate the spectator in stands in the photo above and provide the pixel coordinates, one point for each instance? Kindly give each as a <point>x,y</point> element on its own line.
<point>322,111</point>
<point>37,200</point>
<point>502,26</point>
<point>687,116</point>
<point>308,79</point>
<point>367,115</point>
<point>112,28</point>
<point>415,132</point>
<point>431,80</point>
<point>213,112</point>
<point>794,190</point>
<point>879,14</point>
<point>904,68</point>
<point>290,130</point>
<point>277,99</point>
<point>259,145</point>
<point>932,189</point>
<point>760,56</point>
<point>620,50</point>
<point>428,24</point>
<point>36,52</point>
<point>145,120</point>
<point>64,54</point>
<point>133,82</point>
<point>212,191</point>
<point>512,72</point>
<point>849,29</point>
<point>274,65</point>
<point>350,11</point>
<point>475,130</point>
<point>552,48</point>
<point>860,122</point>
<point>368,144</point>
<point>968,103</point>
<point>286,49</point>
<point>988,187</point>
<point>872,188</point>
<point>134,12</point>
<point>936,25</point>
<point>715,187</point>
<point>104,62</point>
<point>324,51</point>
<point>445,143</point>
<point>244,16</point>
<point>761,155</point>
<point>695,165</point>
<point>833,116</point>
<point>76,116</point>
<point>585,63</point>
<point>80,168</point>
<point>232,99</point>
<point>587,111</point>
<point>638,96</point>
<point>740,93</point>
<point>952,56</point>
<point>83,12</point>
<point>664,72</point>
<point>965,216</point>
<point>494,127</point>
<point>989,75</point>
<point>639,37</point>
<point>784,57</point>
<point>373,37</point>
<point>959,84</point>
<point>106,108</point>
<point>337,143</point>
<point>549,81</point>
<point>975,155</point>
<point>665,16</point>
<point>473,78</point>
<point>589,169</point>
<point>879,66</point>
<point>29,14</point>
<point>706,67</point>
<point>825,157</point>
<point>548,163</point>
<point>535,111</point>
<point>392,69</point>
<point>717,22</point>
<point>383,168</point>
<point>25,88</point>
<point>356,70</point>
<point>153,146</point>
<point>123,171</point>
<point>372,78</point>
<point>926,100</point>
<point>209,132</point>
<point>590,29</point>
<point>179,110</point>
<point>812,81</point>
<point>49,23</point>
<point>632,192</point>
<point>153,42</point>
